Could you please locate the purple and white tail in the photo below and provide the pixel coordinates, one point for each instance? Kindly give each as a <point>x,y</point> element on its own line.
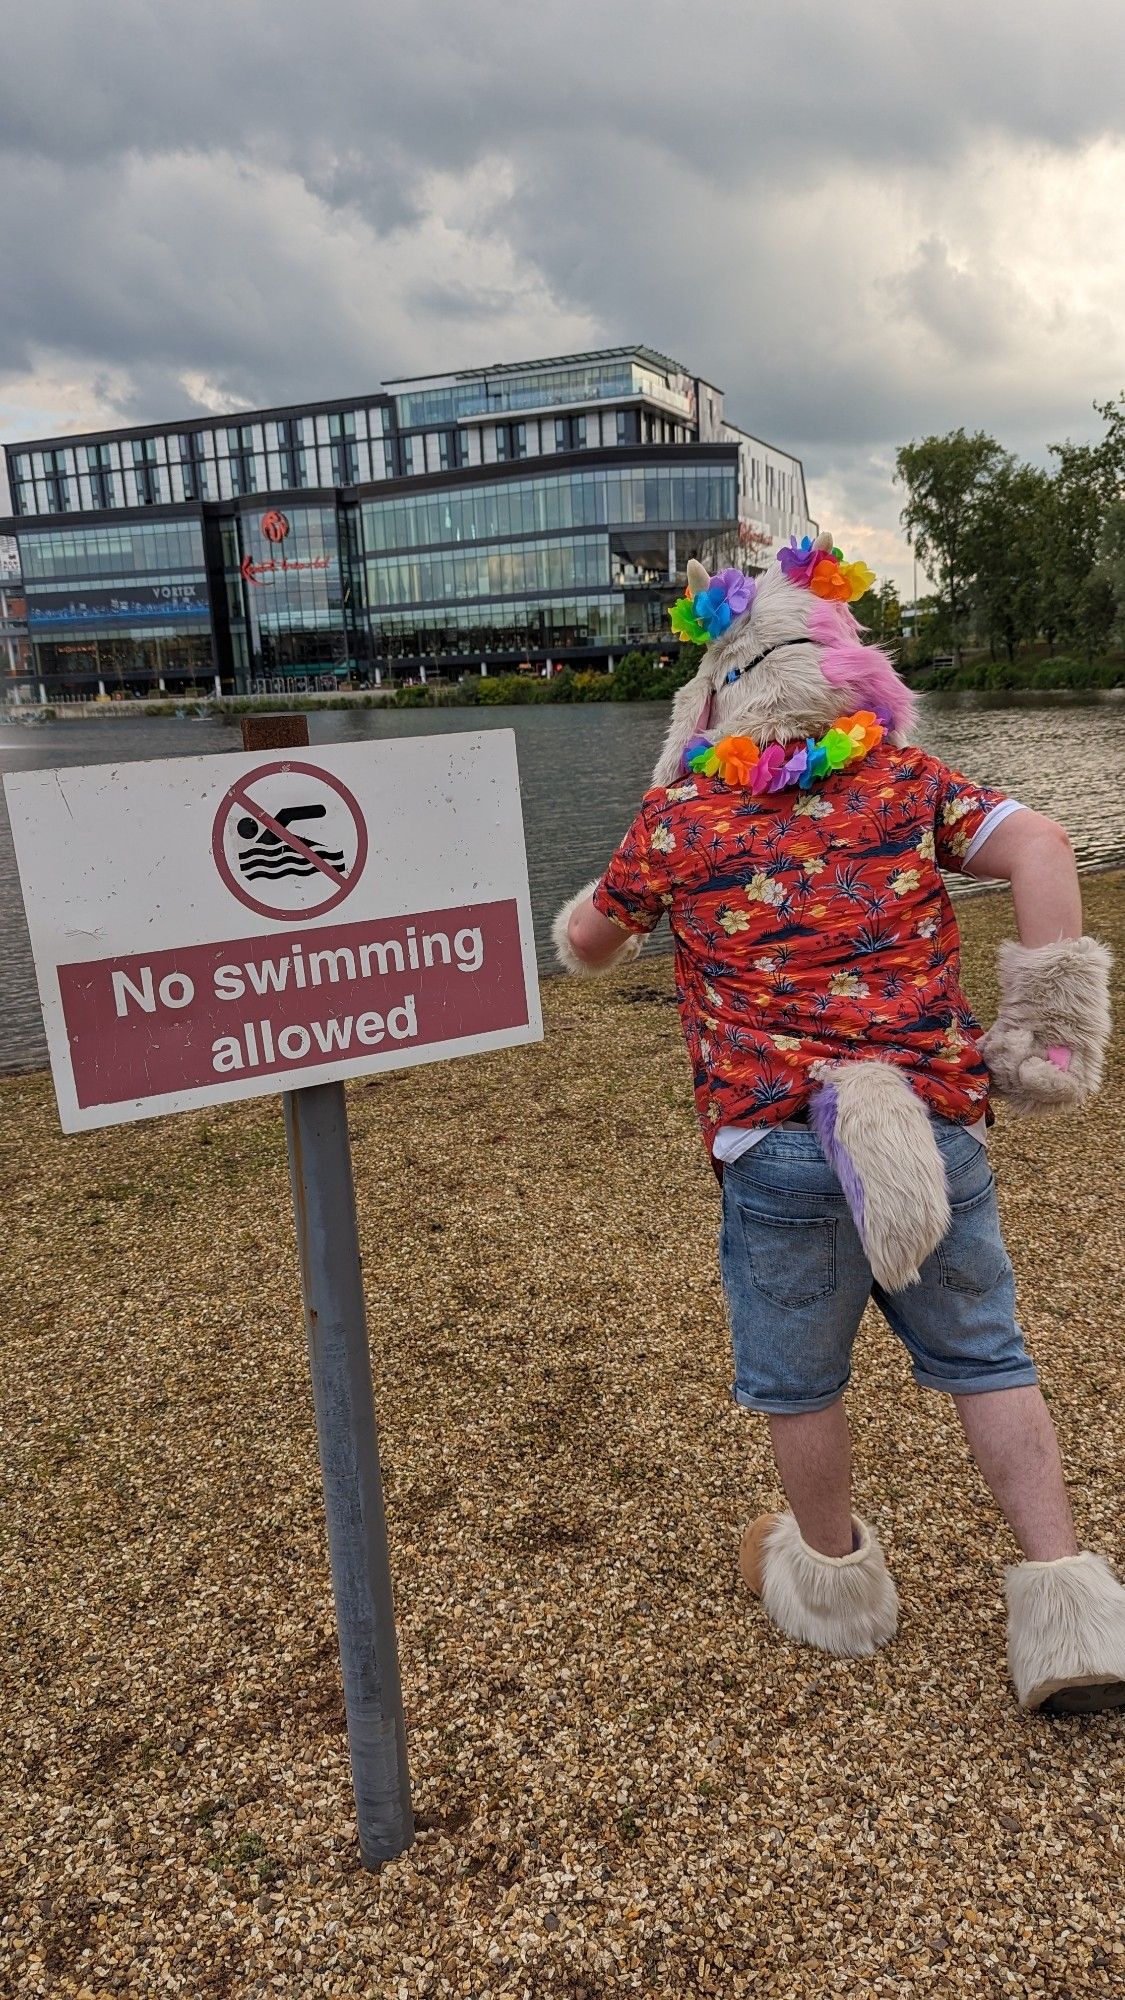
<point>876,1136</point>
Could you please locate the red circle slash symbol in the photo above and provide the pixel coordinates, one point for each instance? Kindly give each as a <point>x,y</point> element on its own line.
<point>290,841</point>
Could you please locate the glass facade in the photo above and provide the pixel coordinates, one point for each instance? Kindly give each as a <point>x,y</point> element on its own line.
<point>496,567</point>
<point>124,605</point>
<point>567,563</point>
<point>289,596</point>
<point>704,494</point>
<point>118,550</point>
<point>205,461</point>
<point>518,629</point>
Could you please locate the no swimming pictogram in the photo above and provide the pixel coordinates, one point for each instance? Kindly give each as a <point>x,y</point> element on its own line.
<point>289,840</point>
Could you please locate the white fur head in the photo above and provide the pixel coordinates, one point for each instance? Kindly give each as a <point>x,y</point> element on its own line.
<point>786,668</point>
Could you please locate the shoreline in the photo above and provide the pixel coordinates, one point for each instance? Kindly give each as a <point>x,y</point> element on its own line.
<point>228,708</point>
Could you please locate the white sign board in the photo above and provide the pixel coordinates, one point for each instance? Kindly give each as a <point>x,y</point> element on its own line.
<point>209,928</point>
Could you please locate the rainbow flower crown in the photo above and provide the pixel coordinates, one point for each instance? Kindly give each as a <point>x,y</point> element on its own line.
<point>702,616</point>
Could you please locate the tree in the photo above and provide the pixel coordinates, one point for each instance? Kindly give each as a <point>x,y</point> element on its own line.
<point>944,478</point>
<point>1095,609</point>
<point>1089,480</point>
<point>880,612</point>
<point>1014,515</point>
<point>1111,562</point>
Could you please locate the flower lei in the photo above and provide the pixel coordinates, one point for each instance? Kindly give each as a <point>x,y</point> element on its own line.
<point>824,571</point>
<point>737,760</point>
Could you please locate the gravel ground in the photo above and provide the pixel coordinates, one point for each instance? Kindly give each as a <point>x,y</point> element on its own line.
<point>625,1781</point>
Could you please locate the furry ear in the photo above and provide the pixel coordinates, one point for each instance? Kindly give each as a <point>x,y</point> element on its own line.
<point>697,577</point>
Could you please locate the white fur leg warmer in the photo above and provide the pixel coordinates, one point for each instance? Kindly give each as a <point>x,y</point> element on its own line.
<point>844,1604</point>
<point>1046,1048</point>
<point>876,1136</point>
<point>564,951</point>
<point>1066,1632</point>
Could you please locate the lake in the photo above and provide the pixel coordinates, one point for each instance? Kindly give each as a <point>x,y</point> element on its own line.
<point>582,771</point>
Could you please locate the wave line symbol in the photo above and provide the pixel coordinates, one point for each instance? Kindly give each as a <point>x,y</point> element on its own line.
<point>274,851</point>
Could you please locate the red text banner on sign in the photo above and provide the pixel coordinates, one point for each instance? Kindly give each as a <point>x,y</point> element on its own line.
<point>143,1026</point>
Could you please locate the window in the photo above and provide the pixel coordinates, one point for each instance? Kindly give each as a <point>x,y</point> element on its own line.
<point>57,486</point>
<point>100,463</point>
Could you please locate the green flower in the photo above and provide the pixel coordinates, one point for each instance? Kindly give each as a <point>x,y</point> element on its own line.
<point>838,749</point>
<point>687,627</point>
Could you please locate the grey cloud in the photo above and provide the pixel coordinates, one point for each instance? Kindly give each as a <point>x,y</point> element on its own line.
<point>278,202</point>
<point>720,89</point>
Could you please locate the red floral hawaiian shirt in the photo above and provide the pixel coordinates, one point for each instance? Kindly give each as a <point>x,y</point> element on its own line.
<point>811,926</point>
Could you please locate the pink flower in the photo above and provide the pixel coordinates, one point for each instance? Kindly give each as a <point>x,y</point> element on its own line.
<point>767,772</point>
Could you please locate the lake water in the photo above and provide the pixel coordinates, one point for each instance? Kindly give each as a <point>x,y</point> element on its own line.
<point>582,771</point>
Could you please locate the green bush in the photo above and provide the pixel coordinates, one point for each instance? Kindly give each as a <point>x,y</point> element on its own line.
<point>500,690</point>
<point>560,687</point>
<point>591,686</point>
<point>986,676</point>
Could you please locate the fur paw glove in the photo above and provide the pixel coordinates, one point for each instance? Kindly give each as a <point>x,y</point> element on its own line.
<point>564,951</point>
<point>1047,1046</point>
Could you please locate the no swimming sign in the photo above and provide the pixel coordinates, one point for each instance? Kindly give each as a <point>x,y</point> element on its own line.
<point>208,928</point>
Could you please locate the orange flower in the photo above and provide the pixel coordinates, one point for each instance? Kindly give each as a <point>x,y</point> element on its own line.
<point>737,757</point>
<point>828,580</point>
<point>865,732</point>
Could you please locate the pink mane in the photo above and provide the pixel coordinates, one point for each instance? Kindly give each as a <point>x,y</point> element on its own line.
<point>865,670</point>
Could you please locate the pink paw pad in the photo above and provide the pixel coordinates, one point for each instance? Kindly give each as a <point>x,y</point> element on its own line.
<point>1058,1055</point>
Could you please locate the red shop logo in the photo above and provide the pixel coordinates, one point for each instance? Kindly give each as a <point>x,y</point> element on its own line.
<point>275,527</point>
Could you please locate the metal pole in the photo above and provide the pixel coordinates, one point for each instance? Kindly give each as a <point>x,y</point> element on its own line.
<point>320,1171</point>
<point>328,1247</point>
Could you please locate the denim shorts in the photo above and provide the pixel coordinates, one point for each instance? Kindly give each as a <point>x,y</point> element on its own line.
<point>797,1280</point>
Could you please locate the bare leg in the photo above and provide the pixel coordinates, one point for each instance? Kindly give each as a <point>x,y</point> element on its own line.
<point>814,1458</point>
<point>1013,1440</point>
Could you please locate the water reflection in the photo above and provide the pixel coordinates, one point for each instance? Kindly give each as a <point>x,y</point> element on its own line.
<point>582,771</point>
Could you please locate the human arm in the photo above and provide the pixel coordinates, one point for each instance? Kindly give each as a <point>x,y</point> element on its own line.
<point>1046,1048</point>
<point>586,941</point>
<point>607,922</point>
<point>1034,856</point>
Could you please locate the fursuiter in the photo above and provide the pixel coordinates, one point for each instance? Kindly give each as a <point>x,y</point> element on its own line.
<point>795,838</point>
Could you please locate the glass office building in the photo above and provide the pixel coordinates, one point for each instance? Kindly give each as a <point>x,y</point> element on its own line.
<point>492,518</point>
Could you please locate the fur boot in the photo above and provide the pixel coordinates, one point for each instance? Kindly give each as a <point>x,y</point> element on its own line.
<point>844,1604</point>
<point>564,951</point>
<point>876,1136</point>
<point>1046,1047</point>
<point>1066,1634</point>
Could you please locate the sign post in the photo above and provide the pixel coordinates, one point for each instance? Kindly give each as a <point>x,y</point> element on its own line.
<point>320,1172</point>
<point>201,937</point>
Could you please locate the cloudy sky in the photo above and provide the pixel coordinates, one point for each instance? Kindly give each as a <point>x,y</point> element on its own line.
<point>863,221</point>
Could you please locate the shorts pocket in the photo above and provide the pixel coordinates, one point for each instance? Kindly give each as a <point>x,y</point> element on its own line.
<point>792,1258</point>
<point>971,1255</point>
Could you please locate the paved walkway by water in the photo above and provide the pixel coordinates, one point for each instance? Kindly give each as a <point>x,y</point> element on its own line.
<point>626,1782</point>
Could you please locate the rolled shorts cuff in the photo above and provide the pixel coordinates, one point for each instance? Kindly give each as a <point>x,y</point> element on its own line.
<point>1026,1376</point>
<point>781,1406</point>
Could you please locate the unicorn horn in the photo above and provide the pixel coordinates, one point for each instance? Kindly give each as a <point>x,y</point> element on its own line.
<point>697,577</point>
